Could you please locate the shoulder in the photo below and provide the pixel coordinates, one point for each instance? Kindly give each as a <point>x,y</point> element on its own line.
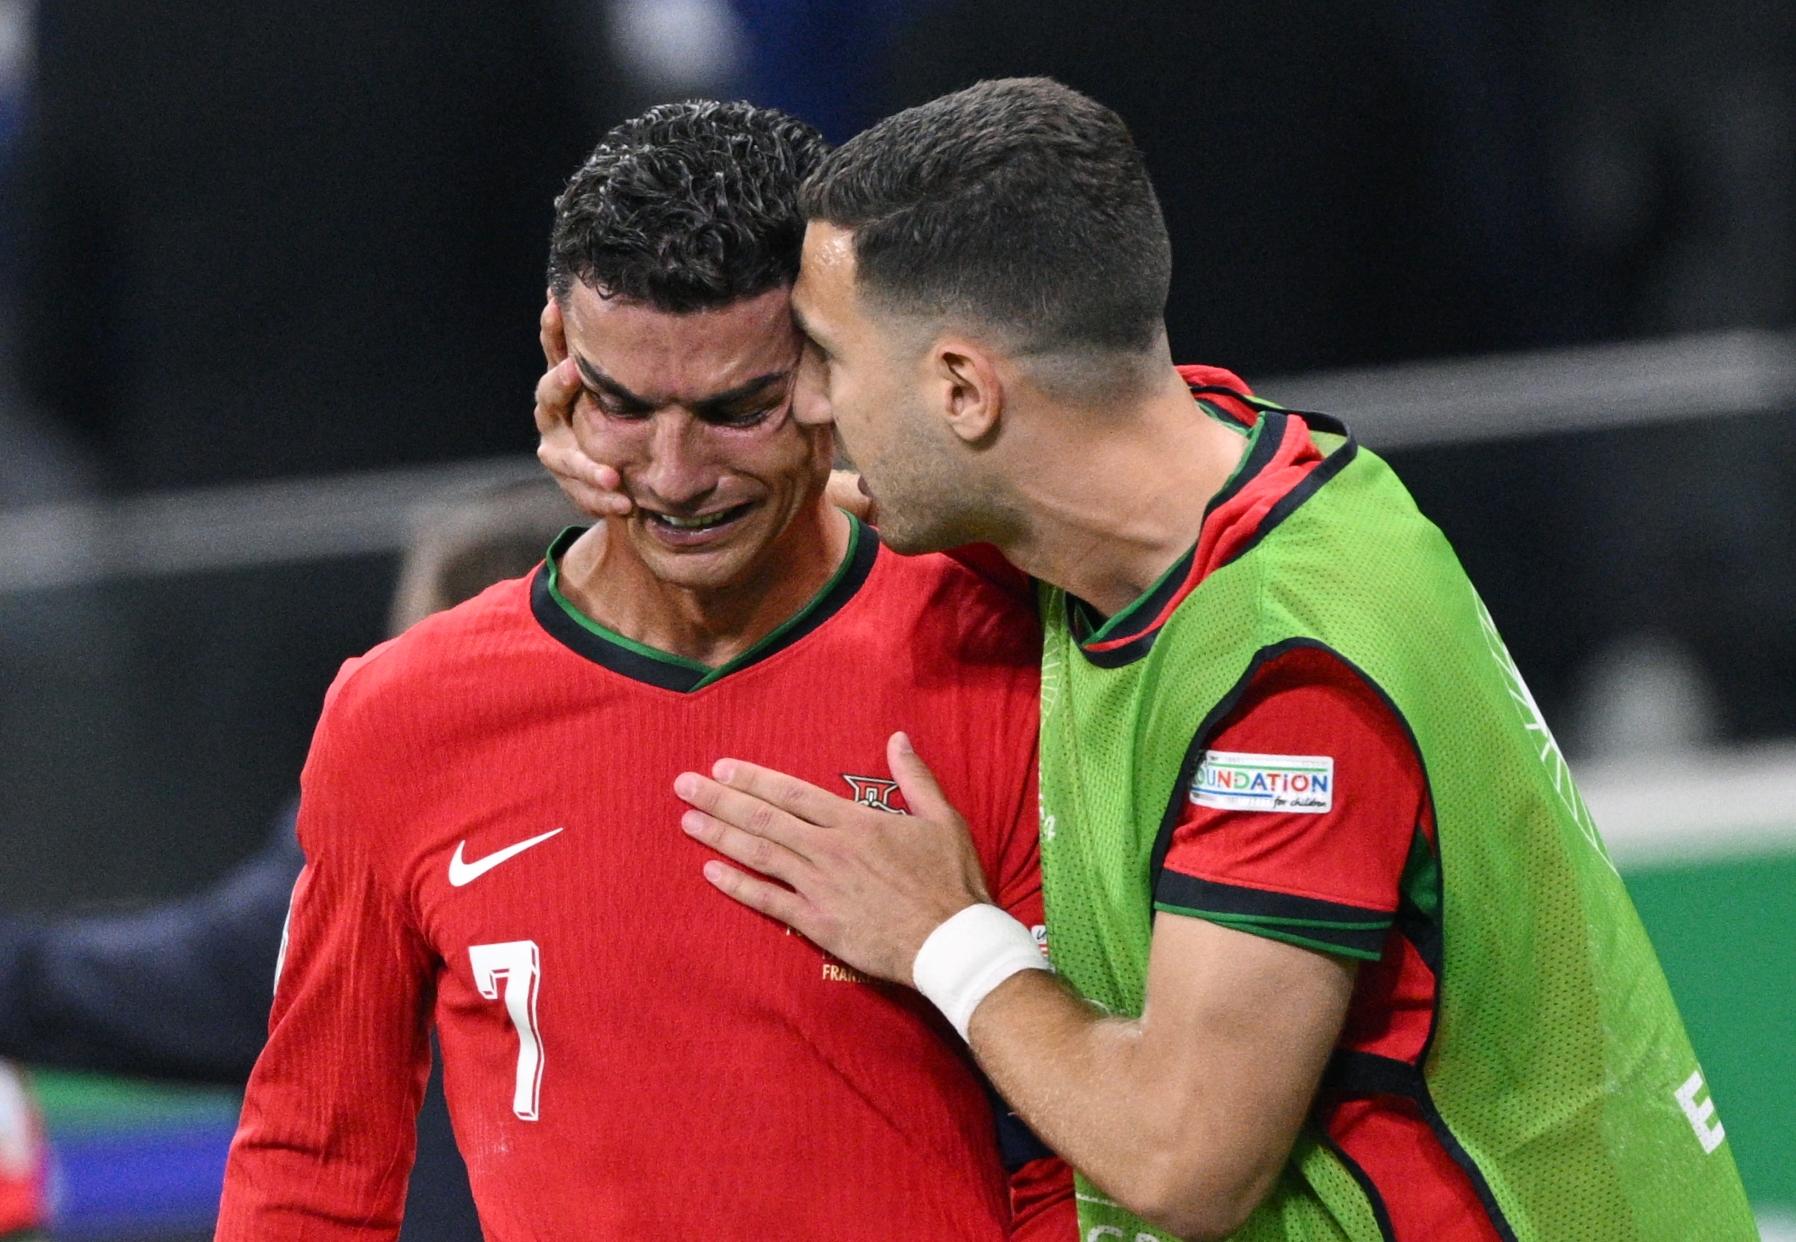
<point>414,672</point>
<point>1308,670</point>
<point>957,601</point>
<point>1309,705</point>
<point>393,713</point>
<point>1313,690</point>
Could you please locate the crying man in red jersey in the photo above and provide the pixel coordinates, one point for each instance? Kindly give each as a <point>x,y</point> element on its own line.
<point>484,809</point>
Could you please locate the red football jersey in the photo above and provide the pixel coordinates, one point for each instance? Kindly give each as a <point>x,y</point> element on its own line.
<point>493,845</point>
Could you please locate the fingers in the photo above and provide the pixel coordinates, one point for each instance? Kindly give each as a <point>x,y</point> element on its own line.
<point>921,790</point>
<point>550,333</point>
<point>556,392</point>
<point>561,454</point>
<point>749,812</point>
<point>753,850</point>
<point>594,488</point>
<point>591,488</point>
<point>739,780</point>
<point>769,899</point>
<point>844,491</point>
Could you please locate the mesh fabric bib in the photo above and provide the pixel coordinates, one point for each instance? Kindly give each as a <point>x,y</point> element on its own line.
<point>1558,1073</point>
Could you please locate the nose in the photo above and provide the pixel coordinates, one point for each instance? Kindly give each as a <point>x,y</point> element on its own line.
<point>679,470</point>
<point>810,394</point>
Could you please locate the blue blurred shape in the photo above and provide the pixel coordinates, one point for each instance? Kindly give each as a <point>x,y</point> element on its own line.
<point>139,1184</point>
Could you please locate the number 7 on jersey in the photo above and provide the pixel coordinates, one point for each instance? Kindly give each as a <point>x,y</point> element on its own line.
<point>518,964</point>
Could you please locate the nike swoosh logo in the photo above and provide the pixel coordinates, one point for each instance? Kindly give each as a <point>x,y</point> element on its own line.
<point>462,872</point>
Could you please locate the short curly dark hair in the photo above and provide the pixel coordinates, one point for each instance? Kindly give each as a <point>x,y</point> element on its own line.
<point>690,206</point>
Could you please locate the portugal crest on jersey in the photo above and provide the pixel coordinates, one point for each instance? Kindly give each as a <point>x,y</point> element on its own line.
<point>873,792</point>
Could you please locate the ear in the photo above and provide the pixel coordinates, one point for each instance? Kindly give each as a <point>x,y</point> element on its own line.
<point>972,392</point>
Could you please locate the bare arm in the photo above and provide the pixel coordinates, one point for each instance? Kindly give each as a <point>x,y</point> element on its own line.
<point>1184,1116</point>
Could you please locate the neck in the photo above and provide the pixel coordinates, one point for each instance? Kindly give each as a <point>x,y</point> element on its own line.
<point>1110,498</point>
<point>602,575</point>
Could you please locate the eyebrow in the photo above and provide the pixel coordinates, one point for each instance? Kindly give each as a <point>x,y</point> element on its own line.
<point>705,405</point>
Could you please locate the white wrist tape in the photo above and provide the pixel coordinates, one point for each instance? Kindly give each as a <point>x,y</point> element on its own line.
<point>970,954</point>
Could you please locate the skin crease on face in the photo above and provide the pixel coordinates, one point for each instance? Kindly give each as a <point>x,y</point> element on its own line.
<point>694,411</point>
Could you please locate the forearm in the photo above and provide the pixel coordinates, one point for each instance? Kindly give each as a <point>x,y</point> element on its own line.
<point>1185,1115</point>
<point>1095,1090</point>
<point>329,1118</point>
<point>320,1158</point>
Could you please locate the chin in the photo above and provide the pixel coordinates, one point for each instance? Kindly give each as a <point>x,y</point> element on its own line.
<point>702,571</point>
<point>911,539</point>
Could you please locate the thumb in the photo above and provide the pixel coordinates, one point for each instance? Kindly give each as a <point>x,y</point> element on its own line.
<point>921,790</point>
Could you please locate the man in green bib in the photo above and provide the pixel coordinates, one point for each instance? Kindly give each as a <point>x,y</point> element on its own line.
<point>1340,954</point>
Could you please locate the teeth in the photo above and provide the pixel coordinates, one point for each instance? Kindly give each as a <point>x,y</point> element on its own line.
<point>697,523</point>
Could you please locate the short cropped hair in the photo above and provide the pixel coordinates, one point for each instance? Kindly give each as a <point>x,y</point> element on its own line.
<point>1019,203</point>
<point>690,206</point>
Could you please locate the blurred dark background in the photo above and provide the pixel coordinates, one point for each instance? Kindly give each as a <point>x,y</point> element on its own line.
<point>244,244</point>
<point>244,247</point>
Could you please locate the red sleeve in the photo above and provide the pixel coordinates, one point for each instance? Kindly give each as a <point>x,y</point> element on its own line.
<point>1302,812</point>
<point>324,1148</point>
<point>1017,884</point>
<point>1042,1205</point>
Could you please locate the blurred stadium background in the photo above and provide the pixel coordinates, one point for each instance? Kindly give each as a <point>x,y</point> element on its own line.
<point>269,278</point>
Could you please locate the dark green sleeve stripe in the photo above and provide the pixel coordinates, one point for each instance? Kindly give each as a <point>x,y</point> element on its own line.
<point>1222,916</point>
<point>1240,901</point>
<point>1356,931</point>
<point>1354,944</point>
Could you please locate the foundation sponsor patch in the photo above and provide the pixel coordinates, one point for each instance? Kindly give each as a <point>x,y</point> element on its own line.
<point>1231,780</point>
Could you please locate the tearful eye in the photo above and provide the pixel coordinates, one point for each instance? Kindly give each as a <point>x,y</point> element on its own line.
<point>610,407</point>
<point>754,415</point>
<point>747,418</point>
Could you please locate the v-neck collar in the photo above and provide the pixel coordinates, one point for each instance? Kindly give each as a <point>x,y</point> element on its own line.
<point>1280,467</point>
<point>641,662</point>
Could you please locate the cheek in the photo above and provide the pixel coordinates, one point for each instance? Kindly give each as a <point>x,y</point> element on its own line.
<point>847,402</point>
<point>613,441</point>
<point>870,421</point>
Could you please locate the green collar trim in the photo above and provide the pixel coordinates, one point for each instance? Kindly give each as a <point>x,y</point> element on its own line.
<point>1175,574</point>
<point>622,654</point>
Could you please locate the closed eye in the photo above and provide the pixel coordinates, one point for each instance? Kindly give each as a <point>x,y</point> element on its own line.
<point>750,416</point>
<point>610,406</point>
<point>745,419</point>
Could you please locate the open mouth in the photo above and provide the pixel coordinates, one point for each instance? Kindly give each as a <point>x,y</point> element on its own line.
<point>687,530</point>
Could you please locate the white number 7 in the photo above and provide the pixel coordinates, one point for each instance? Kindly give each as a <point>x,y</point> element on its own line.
<point>517,963</point>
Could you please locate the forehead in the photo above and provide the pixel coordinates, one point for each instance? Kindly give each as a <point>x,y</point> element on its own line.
<point>675,359</point>
<point>826,271</point>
